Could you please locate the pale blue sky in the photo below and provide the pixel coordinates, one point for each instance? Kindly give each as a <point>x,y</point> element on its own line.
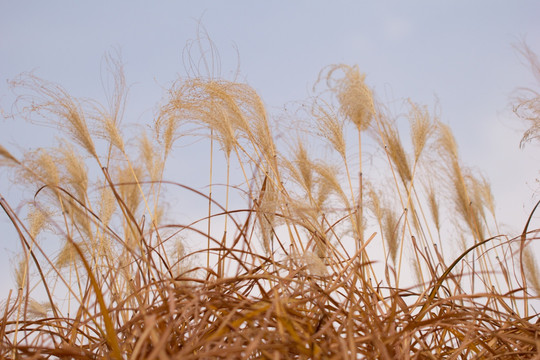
<point>459,51</point>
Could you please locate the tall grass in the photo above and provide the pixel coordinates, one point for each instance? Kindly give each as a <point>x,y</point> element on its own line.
<point>329,257</point>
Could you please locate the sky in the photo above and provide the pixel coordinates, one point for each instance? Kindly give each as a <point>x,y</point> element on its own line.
<point>459,53</point>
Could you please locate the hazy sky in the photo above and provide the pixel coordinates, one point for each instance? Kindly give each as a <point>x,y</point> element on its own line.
<point>457,51</point>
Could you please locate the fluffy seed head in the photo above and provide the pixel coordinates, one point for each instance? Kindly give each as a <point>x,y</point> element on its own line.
<point>434,206</point>
<point>67,256</point>
<point>77,173</point>
<point>21,273</point>
<point>37,309</point>
<point>327,175</point>
<point>421,128</point>
<point>37,219</point>
<point>354,96</point>
<point>390,222</point>
<point>331,128</point>
<point>531,270</point>
<point>388,136</point>
<point>112,133</point>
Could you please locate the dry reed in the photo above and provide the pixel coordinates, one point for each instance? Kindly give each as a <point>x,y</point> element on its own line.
<point>295,273</point>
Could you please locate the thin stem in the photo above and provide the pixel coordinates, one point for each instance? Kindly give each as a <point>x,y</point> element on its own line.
<point>210,197</point>
<point>221,260</point>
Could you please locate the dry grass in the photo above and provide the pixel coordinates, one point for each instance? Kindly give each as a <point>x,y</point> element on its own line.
<point>308,269</point>
<point>527,102</point>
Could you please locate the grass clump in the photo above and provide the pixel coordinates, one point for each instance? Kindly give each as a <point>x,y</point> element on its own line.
<point>314,265</point>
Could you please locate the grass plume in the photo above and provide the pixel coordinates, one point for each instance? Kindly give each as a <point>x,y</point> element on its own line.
<point>291,266</point>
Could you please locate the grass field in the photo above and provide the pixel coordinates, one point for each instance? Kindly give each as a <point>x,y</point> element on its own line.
<point>339,230</point>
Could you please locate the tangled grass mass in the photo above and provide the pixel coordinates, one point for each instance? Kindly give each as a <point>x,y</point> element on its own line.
<point>320,234</point>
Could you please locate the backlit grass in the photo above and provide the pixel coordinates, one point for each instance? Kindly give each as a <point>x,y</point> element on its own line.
<point>320,234</point>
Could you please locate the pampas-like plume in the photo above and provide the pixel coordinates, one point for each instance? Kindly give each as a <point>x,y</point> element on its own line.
<point>40,167</point>
<point>390,222</point>
<point>150,158</point>
<point>355,97</point>
<point>433,205</point>
<point>38,310</point>
<point>267,204</point>
<point>447,142</point>
<point>470,211</point>
<point>112,133</point>
<point>388,136</point>
<point>301,168</point>
<point>108,119</point>
<point>21,273</point>
<point>357,105</point>
<point>135,291</point>
<point>67,255</point>
<point>226,107</point>
<point>76,171</point>
<point>58,108</point>
<point>128,187</point>
<point>531,270</point>
<point>331,129</point>
<point>37,219</point>
<point>328,176</point>
<point>79,218</point>
<point>482,195</point>
<point>262,134</point>
<point>421,128</point>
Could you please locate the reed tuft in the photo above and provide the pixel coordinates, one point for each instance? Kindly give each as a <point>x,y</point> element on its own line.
<point>287,252</point>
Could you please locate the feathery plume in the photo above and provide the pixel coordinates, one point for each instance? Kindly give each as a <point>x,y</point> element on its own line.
<point>150,159</point>
<point>301,168</point>
<point>37,219</point>
<point>531,270</point>
<point>447,141</point>
<point>77,173</point>
<point>375,203</point>
<point>483,188</point>
<point>110,129</point>
<point>268,203</point>
<point>328,177</point>
<point>38,310</point>
<point>388,137</point>
<point>107,205</point>
<point>390,222</point>
<point>354,96</point>
<point>57,107</point>
<point>330,128</point>
<point>128,189</point>
<point>470,211</point>
<point>421,128</point>
<point>67,255</point>
<point>40,168</point>
<point>433,205</point>
<point>21,273</point>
